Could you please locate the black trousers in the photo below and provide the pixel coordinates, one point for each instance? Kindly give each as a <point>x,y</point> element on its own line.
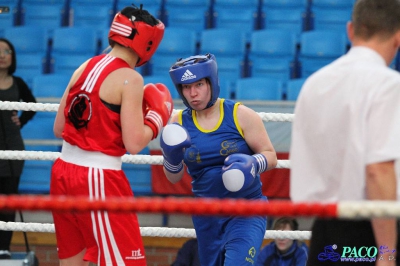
<point>333,240</point>
<point>8,185</point>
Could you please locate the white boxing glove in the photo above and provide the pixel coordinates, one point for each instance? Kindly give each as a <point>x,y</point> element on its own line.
<point>240,169</point>
<point>173,142</point>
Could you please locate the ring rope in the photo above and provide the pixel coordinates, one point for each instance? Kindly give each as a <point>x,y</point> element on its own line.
<point>127,158</point>
<point>182,205</point>
<point>52,107</point>
<point>150,231</point>
<point>205,206</point>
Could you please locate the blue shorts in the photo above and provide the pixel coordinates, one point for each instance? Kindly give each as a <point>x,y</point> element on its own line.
<point>229,240</point>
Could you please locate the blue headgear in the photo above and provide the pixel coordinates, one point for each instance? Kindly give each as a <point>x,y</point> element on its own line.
<point>192,69</point>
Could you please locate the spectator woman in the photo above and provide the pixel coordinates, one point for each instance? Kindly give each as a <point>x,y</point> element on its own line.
<point>12,89</point>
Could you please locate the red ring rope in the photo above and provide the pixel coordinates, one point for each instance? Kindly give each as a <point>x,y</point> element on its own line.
<point>185,205</point>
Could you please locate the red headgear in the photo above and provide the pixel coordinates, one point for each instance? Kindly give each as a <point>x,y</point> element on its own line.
<point>139,30</point>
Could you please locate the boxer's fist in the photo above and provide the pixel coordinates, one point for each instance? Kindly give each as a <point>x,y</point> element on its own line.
<point>240,169</point>
<point>173,141</point>
<point>157,106</point>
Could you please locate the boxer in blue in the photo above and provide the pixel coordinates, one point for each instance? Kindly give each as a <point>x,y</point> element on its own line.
<point>225,147</point>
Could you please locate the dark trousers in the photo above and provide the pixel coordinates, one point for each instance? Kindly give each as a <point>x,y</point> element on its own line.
<point>331,239</point>
<point>8,185</point>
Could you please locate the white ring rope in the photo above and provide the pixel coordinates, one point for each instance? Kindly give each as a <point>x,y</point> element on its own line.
<point>150,231</point>
<point>368,209</point>
<point>134,159</point>
<point>53,107</point>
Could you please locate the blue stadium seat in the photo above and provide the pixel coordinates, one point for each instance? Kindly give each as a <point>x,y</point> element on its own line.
<point>293,88</point>
<point>52,145</point>
<point>229,48</point>
<point>226,89</point>
<point>258,88</point>
<point>172,41</point>
<point>30,65</point>
<point>71,47</point>
<point>38,136</point>
<point>331,19</point>
<point>237,14</point>
<point>160,64</point>
<point>9,14</point>
<point>37,47</point>
<point>193,14</point>
<point>28,39</point>
<point>103,40</point>
<point>333,4</point>
<point>331,14</point>
<point>273,54</point>
<point>40,127</point>
<point>35,178</point>
<point>285,14</point>
<point>66,64</point>
<point>273,43</point>
<point>166,80</point>
<point>230,68</point>
<point>235,4</point>
<point>224,42</point>
<point>139,175</point>
<point>75,40</point>
<point>319,48</point>
<point>48,14</point>
<point>172,48</point>
<point>50,85</point>
<point>96,14</point>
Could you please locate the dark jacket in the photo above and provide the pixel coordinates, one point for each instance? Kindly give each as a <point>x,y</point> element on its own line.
<point>296,256</point>
<point>10,134</point>
<point>188,254</point>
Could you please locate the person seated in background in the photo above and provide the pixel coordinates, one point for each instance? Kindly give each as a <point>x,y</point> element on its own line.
<point>284,252</point>
<point>188,254</point>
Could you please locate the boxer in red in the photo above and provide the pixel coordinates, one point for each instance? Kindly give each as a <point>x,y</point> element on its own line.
<point>105,112</point>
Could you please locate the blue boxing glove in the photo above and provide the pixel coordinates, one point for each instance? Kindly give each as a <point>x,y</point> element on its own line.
<point>240,169</point>
<point>173,141</point>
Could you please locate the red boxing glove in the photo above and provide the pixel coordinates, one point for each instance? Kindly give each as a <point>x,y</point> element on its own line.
<point>159,106</point>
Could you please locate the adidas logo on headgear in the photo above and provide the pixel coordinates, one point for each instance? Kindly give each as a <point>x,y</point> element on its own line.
<point>187,75</point>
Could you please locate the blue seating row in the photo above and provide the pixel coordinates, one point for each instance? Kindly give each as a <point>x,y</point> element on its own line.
<point>245,15</point>
<point>272,53</point>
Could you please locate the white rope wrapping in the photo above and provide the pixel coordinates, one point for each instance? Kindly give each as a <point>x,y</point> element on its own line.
<point>150,231</point>
<point>52,107</point>
<point>46,107</point>
<point>368,209</point>
<point>134,159</point>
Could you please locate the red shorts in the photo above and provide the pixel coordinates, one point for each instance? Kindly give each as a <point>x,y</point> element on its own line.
<point>109,238</point>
